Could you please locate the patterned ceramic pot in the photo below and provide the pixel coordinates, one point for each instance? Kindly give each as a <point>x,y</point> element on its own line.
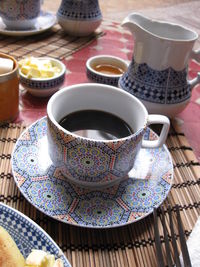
<point>92,162</point>
<point>19,14</point>
<point>158,72</point>
<point>79,17</point>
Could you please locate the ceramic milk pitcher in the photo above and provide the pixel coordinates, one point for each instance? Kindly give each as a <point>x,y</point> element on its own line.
<point>79,17</point>
<point>157,74</point>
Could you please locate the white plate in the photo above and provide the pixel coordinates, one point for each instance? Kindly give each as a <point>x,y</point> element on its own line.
<point>27,234</point>
<point>45,21</point>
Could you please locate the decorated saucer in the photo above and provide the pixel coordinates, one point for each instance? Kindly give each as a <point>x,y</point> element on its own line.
<point>45,21</point>
<point>42,184</point>
<point>27,234</point>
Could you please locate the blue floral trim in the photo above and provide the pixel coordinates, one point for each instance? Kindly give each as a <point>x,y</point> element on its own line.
<point>26,234</point>
<point>80,10</point>
<point>166,87</point>
<point>102,79</point>
<point>43,84</point>
<point>15,10</point>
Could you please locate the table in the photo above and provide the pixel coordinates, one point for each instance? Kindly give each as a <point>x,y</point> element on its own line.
<point>131,245</point>
<point>182,13</point>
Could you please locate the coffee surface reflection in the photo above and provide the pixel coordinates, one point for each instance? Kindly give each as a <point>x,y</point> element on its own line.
<point>95,124</point>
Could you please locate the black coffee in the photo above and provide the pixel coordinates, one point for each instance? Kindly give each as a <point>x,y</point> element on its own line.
<point>96,124</point>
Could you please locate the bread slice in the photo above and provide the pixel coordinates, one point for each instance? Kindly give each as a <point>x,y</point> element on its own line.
<point>10,256</point>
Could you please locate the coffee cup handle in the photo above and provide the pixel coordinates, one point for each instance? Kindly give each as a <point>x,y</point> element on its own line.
<point>195,54</point>
<point>157,119</point>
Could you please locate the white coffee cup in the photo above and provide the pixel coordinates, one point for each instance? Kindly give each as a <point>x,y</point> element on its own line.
<point>92,162</point>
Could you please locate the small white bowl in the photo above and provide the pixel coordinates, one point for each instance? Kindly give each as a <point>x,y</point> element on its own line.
<point>44,87</point>
<point>100,77</point>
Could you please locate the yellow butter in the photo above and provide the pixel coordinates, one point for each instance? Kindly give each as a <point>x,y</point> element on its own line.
<point>40,258</point>
<point>56,69</point>
<point>38,68</point>
<point>58,263</point>
<point>22,62</point>
<point>46,63</point>
<point>50,260</point>
<point>25,69</point>
<point>34,73</point>
<point>48,73</point>
<point>36,258</point>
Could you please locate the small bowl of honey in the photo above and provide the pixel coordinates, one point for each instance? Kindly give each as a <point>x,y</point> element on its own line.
<point>105,69</point>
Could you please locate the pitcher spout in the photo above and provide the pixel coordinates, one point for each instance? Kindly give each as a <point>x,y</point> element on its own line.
<point>159,29</point>
<point>133,22</point>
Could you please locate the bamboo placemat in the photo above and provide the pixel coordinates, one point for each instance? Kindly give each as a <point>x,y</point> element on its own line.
<point>54,43</point>
<point>131,245</point>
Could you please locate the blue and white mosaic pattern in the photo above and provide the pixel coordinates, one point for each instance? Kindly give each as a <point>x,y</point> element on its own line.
<point>102,79</point>
<point>44,21</point>
<point>27,234</point>
<point>82,10</point>
<point>42,84</point>
<point>165,87</point>
<point>92,161</point>
<point>145,187</point>
<point>19,9</point>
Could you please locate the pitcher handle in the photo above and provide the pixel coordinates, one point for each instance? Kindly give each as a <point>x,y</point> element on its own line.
<point>195,54</point>
<point>157,119</point>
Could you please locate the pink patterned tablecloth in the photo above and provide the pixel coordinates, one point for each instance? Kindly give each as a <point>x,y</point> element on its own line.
<point>120,43</point>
